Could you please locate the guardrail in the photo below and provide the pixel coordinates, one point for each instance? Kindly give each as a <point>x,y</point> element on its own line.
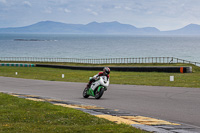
<point>102,60</point>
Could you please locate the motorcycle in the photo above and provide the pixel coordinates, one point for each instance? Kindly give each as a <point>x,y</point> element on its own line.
<point>97,88</point>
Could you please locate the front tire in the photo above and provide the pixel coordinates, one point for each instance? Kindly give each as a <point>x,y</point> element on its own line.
<point>98,94</point>
<point>85,95</point>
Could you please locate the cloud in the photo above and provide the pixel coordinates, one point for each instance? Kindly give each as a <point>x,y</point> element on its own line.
<point>92,12</point>
<point>27,3</point>
<point>128,8</point>
<point>48,10</point>
<point>67,10</point>
<point>117,7</point>
<point>3,1</point>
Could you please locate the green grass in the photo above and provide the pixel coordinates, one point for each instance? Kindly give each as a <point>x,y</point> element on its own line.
<point>25,116</point>
<point>131,78</point>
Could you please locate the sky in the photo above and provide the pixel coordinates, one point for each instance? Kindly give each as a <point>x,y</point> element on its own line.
<point>162,14</point>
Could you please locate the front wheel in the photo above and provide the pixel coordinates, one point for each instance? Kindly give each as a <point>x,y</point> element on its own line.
<point>98,94</point>
<point>85,95</point>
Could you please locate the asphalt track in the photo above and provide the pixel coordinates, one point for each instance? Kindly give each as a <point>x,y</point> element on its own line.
<point>174,104</point>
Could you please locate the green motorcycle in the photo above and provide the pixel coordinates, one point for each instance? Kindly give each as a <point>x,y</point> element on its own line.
<point>97,88</point>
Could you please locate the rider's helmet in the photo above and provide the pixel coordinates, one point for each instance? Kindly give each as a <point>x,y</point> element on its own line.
<point>106,70</point>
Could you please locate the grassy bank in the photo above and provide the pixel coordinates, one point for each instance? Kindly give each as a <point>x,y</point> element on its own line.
<point>20,115</point>
<point>134,78</point>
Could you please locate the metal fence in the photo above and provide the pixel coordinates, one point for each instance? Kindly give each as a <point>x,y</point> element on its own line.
<point>102,61</point>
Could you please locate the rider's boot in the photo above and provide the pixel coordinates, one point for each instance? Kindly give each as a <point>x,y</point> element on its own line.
<point>88,86</point>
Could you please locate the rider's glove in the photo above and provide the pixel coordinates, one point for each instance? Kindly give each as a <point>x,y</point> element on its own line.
<point>96,78</point>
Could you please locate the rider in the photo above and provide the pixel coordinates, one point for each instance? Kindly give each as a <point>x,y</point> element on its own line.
<point>106,71</point>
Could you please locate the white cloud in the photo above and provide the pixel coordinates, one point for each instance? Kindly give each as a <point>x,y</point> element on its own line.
<point>48,10</point>
<point>128,8</point>
<point>67,10</point>
<point>27,3</point>
<point>117,7</point>
<point>3,1</point>
<point>92,12</point>
<point>88,9</point>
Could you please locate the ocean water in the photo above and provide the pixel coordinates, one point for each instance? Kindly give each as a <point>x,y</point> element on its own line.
<point>99,46</point>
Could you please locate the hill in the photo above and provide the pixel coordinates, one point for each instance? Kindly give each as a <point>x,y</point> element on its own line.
<point>91,28</point>
<point>98,28</point>
<point>191,29</point>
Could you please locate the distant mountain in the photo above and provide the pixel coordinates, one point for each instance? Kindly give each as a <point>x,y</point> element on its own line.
<point>108,27</point>
<point>45,27</point>
<point>191,29</point>
<point>98,28</point>
<point>91,28</point>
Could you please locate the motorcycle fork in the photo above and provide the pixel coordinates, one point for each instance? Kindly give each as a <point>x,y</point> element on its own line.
<point>99,88</point>
<point>90,92</point>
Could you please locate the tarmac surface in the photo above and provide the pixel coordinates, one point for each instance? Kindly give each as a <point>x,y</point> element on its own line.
<point>175,104</point>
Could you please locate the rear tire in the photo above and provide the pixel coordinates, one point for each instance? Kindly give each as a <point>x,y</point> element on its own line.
<point>85,95</point>
<point>99,94</point>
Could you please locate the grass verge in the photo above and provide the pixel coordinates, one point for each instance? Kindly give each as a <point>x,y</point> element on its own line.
<point>20,115</point>
<point>131,78</point>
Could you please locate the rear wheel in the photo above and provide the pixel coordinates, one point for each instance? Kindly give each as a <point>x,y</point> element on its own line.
<point>85,95</point>
<point>98,94</point>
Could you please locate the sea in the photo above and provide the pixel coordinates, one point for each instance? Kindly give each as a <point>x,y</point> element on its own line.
<point>90,46</point>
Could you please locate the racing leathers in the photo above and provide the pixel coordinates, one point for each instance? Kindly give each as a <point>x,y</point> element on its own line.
<point>96,77</point>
